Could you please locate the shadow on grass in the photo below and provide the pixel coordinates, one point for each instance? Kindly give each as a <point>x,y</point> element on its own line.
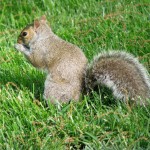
<point>103,94</point>
<point>30,80</point>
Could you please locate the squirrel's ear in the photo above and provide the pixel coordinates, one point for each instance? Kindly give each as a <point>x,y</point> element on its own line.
<point>43,19</point>
<point>36,23</point>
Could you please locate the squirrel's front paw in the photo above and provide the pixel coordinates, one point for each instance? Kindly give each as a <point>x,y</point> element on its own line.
<point>22,49</point>
<point>19,47</point>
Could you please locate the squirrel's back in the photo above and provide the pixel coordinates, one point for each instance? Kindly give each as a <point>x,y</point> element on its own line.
<point>122,73</point>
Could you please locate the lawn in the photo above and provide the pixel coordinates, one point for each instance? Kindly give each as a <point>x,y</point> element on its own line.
<point>26,122</point>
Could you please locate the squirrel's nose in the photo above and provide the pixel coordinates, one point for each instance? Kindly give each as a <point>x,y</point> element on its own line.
<point>19,41</point>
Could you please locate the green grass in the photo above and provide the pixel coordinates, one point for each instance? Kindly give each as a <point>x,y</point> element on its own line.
<point>25,120</point>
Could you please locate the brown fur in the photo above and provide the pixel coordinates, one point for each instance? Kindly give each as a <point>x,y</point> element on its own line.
<point>64,61</point>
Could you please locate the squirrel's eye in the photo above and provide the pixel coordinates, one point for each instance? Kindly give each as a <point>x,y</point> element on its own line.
<point>24,33</point>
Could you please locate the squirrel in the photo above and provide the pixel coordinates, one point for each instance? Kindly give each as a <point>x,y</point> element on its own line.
<point>69,71</point>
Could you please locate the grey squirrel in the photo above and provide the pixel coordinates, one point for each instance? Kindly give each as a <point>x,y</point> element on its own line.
<point>69,71</point>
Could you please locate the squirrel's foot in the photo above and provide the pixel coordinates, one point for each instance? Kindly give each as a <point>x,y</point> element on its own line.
<point>22,49</point>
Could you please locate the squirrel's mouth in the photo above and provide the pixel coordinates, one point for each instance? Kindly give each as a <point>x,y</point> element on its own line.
<point>26,46</point>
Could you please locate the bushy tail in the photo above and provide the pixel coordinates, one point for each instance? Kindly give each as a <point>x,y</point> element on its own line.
<point>121,72</point>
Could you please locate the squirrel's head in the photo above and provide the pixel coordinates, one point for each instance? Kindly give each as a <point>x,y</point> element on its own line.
<point>30,33</point>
